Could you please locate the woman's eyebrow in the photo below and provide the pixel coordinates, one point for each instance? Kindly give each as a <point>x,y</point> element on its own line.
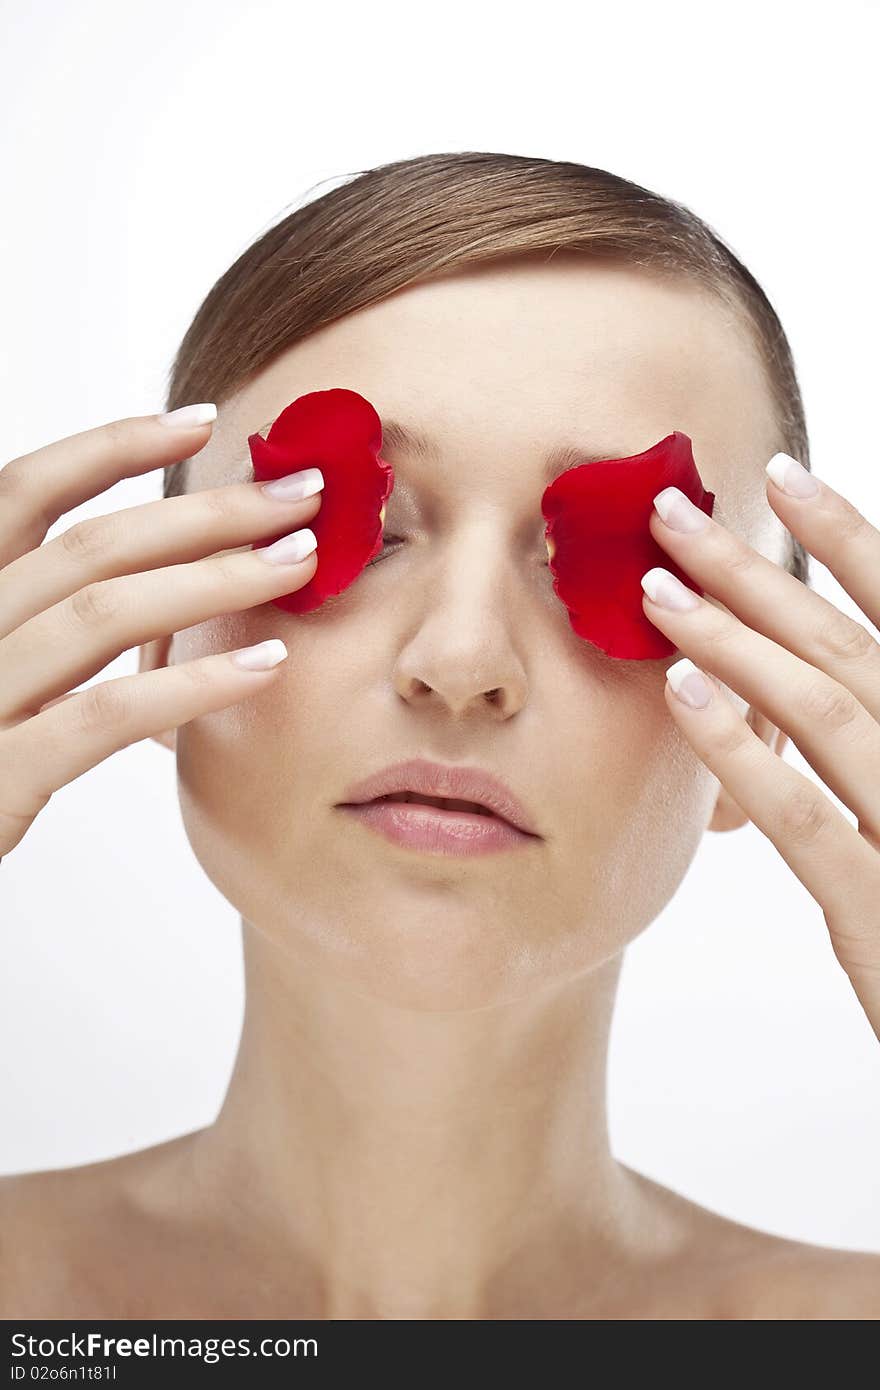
<point>556,461</point>
<point>422,446</point>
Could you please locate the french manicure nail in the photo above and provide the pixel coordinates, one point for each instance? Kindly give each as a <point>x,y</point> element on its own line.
<point>295,486</point>
<point>290,548</point>
<point>261,657</point>
<point>664,588</point>
<point>791,476</point>
<point>689,683</point>
<point>186,417</point>
<point>678,511</point>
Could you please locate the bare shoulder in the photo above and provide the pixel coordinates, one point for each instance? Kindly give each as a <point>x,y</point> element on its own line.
<point>62,1229</point>
<point>818,1282</point>
<point>725,1269</point>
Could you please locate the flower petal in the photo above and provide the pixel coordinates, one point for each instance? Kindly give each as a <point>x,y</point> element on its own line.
<point>339,432</point>
<point>599,543</point>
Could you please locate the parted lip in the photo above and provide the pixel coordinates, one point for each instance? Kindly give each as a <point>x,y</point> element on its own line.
<point>461,783</point>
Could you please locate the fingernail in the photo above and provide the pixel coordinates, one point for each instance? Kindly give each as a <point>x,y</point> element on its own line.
<point>295,486</point>
<point>663,588</point>
<point>186,417</point>
<point>689,684</point>
<point>679,511</point>
<point>290,548</point>
<point>791,476</point>
<point>262,656</point>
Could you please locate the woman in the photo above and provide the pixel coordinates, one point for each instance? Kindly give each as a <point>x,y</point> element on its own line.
<point>415,1126</point>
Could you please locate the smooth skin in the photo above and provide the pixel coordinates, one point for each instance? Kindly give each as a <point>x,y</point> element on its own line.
<point>70,606</point>
<point>415,1126</point>
<point>814,670</point>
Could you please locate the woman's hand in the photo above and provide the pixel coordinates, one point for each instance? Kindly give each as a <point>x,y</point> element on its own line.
<point>810,669</point>
<point>70,606</point>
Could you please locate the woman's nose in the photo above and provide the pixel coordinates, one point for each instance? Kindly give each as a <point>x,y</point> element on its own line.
<point>463,650</point>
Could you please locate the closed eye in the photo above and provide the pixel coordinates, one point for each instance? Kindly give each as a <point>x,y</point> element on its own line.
<point>391,542</point>
<point>388,541</point>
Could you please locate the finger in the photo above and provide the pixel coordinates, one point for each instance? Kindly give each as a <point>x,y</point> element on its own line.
<point>771,601</point>
<point>815,839</point>
<point>39,487</point>
<point>832,529</point>
<point>142,538</point>
<point>833,731</point>
<point>71,641</point>
<point>81,729</point>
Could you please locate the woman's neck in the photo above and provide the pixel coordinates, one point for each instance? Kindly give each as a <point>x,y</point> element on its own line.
<point>422,1164</point>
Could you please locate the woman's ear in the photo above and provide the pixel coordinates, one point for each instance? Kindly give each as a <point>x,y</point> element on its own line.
<point>151,657</point>
<point>728,814</point>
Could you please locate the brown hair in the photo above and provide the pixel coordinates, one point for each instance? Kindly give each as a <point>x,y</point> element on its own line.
<point>400,222</point>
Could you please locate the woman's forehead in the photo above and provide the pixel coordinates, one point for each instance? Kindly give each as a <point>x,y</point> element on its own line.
<point>524,367</point>
<point>555,350</point>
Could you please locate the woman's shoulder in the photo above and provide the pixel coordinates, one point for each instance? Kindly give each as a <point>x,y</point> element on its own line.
<point>794,1280</point>
<point>39,1213</point>
<point>730,1270</point>
<point>63,1229</point>
<point>788,1279</point>
<point>821,1283</point>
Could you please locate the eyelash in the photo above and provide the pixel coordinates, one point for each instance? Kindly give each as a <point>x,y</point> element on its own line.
<point>381,555</point>
<point>386,540</point>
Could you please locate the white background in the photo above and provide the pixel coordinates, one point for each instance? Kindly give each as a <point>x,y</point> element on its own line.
<point>144,146</point>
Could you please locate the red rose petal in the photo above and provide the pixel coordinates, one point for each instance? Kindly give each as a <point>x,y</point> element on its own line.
<point>600,545</point>
<point>339,432</point>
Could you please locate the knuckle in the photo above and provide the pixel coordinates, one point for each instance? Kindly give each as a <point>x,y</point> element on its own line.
<point>719,632</point>
<point>85,541</point>
<point>842,637</point>
<point>738,556</point>
<point>228,569</point>
<point>197,675</point>
<point>734,739</point>
<point>14,825</point>
<point>116,434</point>
<point>828,703</point>
<point>220,504</point>
<point>107,705</point>
<point>11,479</point>
<point>802,815</point>
<point>17,490</point>
<point>95,604</point>
<point>851,525</point>
<point>855,944</point>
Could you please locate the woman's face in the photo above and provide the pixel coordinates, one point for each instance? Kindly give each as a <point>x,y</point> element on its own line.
<point>499,366</point>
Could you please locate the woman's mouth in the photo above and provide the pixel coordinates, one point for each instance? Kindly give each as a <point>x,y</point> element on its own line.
<point>446,803</point>
<point>437,824</point>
